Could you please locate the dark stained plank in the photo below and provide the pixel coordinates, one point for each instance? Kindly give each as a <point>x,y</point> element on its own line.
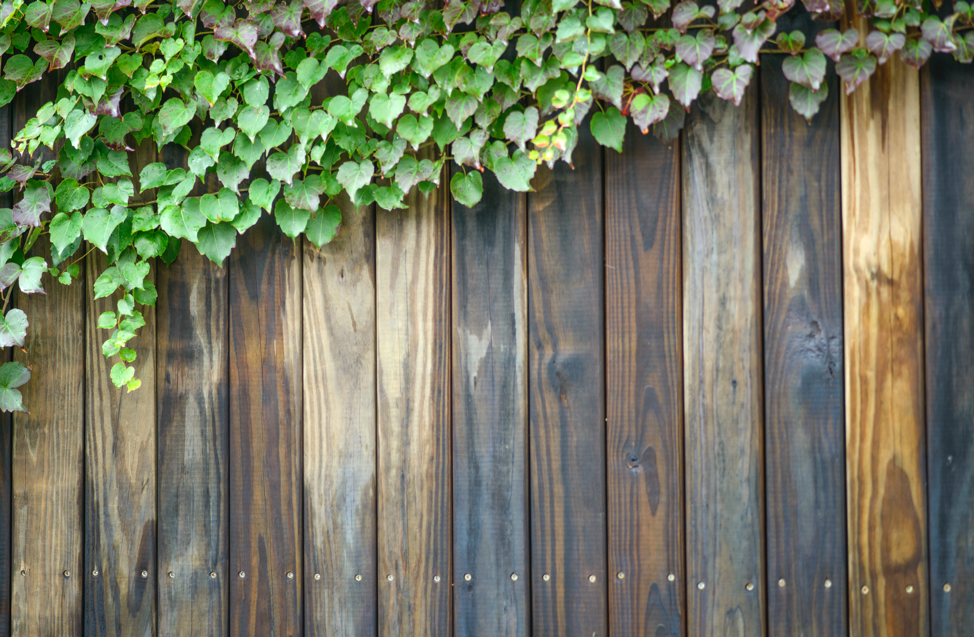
<point>413,354</point>
<point>722,388</point>
<point>804,421</point>
<point>194,412</point>
<point>644,386</point>
<point>566,387</point>
<point>947,110</point>
<point>340,430</point>
<point>6,438</point>
<point>490,475</point>
<point>265,434</point>
<point>883,322</point>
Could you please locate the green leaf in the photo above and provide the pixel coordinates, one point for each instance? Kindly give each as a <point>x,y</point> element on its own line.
<point>429,57</point>
<point>31,272</point>
<point>121,374</point>
<point>249,215</point>
<point>199,161</point>
<point>283,166</point>
<point>57,52</point>
<point>263,193</point>
<point>730,84</point>
<point>609,128</point>
<point>13,328</point>
<point>77,124</point>
<point>520,127</point>
<point>65,230</point>
<point>174,114</point>
<point>323,227</point>
<point>516,172</point>
<point>98,63</point>
<point>243,33</point>
<point>386,108</point>
<point>467,188</point>
<point>647,110</point>
<point>211,86</point>
<point>252,120</point>
<point>219,207</point>
<point>807,70</point>
<point>107,321</point>
<point>12,375</point>
<point>216,241</point>
<point>394,59</point>
<point>183,222</point>
<point>685,83</point>
<point>248,151</point>
<point>275,133</point>
<point>231,172</point>
<point>609,85</point>
<point>292,221</point>
<point>354,175</point>
<point>151,244</point>
<point>855,68</point>
<point>413,130</point>
<point>99,224</point>
<point>805,101</point>
<point>304,194</point>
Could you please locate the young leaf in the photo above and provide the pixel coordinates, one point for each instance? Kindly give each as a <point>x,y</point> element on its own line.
<point>354,175</point>
<point>685,83</point>
<point>121,374</point>
<point>648,109</point>
<point>467,188</point>
<point>65,230</point>
<point>183,222</point>
<point>216,241</point>
<point>292,221</point>
<point>519,127</point>
<point>323,227</point>
<point>13,328</point>
<point>730,84</point>
<point>855,68</point>
<point>609,128</point>
<point>805,101</point>
<point>834,44</point>
<point>807,70</point>
<point>12,375</point>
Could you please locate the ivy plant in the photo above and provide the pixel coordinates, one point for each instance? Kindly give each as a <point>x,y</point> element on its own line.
<point>414,84</point>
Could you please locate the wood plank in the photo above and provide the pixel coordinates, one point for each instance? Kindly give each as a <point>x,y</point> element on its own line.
<point>194,412</point>
<point>888,588</point>
<point>340,429</point>
<point>644,338</point>
<point>804,420</point>
<point>947,110</point>
<point>566,387</point>
<point>723,379</point>
<point>490,476</point>
<point>6,439</point>
<point>265,433</point>
<point>413,354</point>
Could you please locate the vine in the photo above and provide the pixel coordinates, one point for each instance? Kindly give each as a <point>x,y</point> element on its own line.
<point>232,83</point>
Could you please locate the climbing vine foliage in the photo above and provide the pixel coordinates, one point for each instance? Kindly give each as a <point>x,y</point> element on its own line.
<point>281,106</point>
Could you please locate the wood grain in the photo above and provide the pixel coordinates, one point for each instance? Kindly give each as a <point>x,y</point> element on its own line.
<point>7,116</point>
<point>644,386</point>
<point>194,412</point>
<point>947,110</point>
<point>804,420</point>
<point>265,434</point>
<point>413,354</point>
<point>120,468</point>
<point>883,310</point>
<point>340,429</point>
<point>490,438</point>
<point>723,378</point>
<point>566,386</point>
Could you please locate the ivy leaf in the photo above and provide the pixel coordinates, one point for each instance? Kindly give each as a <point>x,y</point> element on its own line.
<point>609,128</point>
<point>916,52</point>
<point>248,152</point>
<point>248,216</point>
<point>668,129</point>
<point>807,70</point>
<point>304,193</point>
<point>323,227</point>
<point>696,50</point>
<point>386,108</point>
<point>413,130</point>
<point>12,375</point>
<point>175,114</point>
<point>632,17</point>
<point>57,52</point>
<point>121,374</point>
<point>460,107</point>
<point>289,93</point>
<point>213,139</point>
<point>70,14</point>
<point>216,241</point>
<point>266,54</point>
<point>466,150</point>
<point>243,33</point>
<point>730,84</point>
<point>252,120</point>
<point>151,244</point>
<point>685,82</point>
<point>256,91</point>
<point>13,328</point>
<point>628,49</point>
<point>884,45</point>
<point>287,17</point>
<point>394,59</point>
<point>686,12</point>
<point>389,153</point>
<point>65,230</point>
<point>467,188</point>
<point>408,173</point>
<point>36,201</point>
<point>354,175</point>
<point>648,109</point>
<point>519,127</point>
<point>805,101</point>
<point>939,34</point>
<point>231,172</point>
<point>657,7</point>
<point>515,173</point>
<point>347,109</point>
<point>834,44</point>
<point>77,124</point>
<point>292,221</point>
<point>283,166</point>
<point>98,63</point>
<point>262,192</point>
<point>211,86</point>
<point>30,275</point>
<point>609,85</point>
<point>429,57</point>
<point>749,42</point>
<point>99,224</point>
<point>855,68</point>
<point>320,10</point>
<point>219,207</point>
<point>183,222</point>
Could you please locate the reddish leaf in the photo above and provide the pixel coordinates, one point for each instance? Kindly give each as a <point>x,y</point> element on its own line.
<point>58,54</point>
<point>939,34</point>
<point>669,129</point>
<point>647,110</point>
<point>730,84</point>
<point>320,9</point>
<point>696,50</point>
<point>749,43</point>
<point>855,68</point>
<point>104,8</point>
<point>243,33</point>
<point>806,102</point>
<point>834,44</point>
<point>916,52</point>
<point>266,54</point>
<point>884,45</point>
<point>287,17</point>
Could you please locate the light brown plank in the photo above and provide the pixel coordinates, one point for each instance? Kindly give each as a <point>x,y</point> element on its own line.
<point>883,319</point>
<point>340,430</point>
<point>194,412</point>
<point>644,386</point>
<point>723,377</point>
<point>413,353</point>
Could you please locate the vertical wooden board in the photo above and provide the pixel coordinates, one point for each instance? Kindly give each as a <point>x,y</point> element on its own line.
<point>413,367</point>
<point>193,407</point>
<point>947,93</point>
<point>644,386</point>
<point>566,386</point>
<point>490,474</point>
<point>340,429</point>
<point>120,479</point>
<point>723,380</point>
<point>6,438</point>
<point>265,434</point>
<point>883,318</point>
<point>804,422</point>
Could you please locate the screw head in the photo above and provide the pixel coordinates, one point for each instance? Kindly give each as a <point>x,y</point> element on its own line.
<point>865,590</point>
<point>212,574</point>
<point>781,583</point>
<point>467,577</point>
<point>546,577</point>
<point>671,577</point>
<point>358,577</point>
<point>241,575</point>
<point>94,573</point>
<point>67,573</point>
<point>172,575</point>
<point>749,586</point>
<point>828,583</point>
<point>144,574</point>
<point>317,576</point>
<point>290,575</point>
<point>513,577</point>
<point>389,577</point>
<point>621,575</point>
<point>946,588</point>
<point>909,589</point>
<point>23,573</point>
<point>701,586</point>
<point>436,578</point>
<point>591,578</point>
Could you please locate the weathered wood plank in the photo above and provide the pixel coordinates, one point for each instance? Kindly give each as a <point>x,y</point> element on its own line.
<point>888,588</point>
<point>265,434</point>
<point>490,475</point>
<point>804,421</point>
<point>340,429</point>
<point>120,469</point>
<point>567,396</point>
<point>947,93</point>
<point>723,380</point>
<point>413,354</point>
<point>6,440</point>
<point>644,388</point>
<point>193,406</point>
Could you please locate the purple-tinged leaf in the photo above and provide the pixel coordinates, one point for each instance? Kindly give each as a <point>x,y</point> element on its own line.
<point>109,104</point>
<point>104,8</point>
<point>668,129</point>
<point>807,70</point>
<point>730,84</point>
<point>287,17</point>
<point>256,7</point>
<point>57,52</point>
<point>834,44</point>
<point>916,52</point>
<point>609,86</point>
<point>749,43</point>
<point>70,14</point>
<point>939,34</point>
<point>654,73</point>
<point>855,68</point>
<point>187,6</point>
<point>791,42</point>
<point>243,33</point>
<point>726,6</point>
<point>21,173</point>
<point>627,49</point>
<point>807,102</point>
<point>884,45</point>
<point>657,7</point>
<point>632,17</point>
<point>685,82</point>
<point>21,70</point>
<point>965,48</point>
<point>683,14</point>
<point>38,15</point>
<point>267,58</point>
<point>647,110</point>
<point>816,6</point>
<point>696,50</point>
<point>216,14</point>
<point>36,201</point>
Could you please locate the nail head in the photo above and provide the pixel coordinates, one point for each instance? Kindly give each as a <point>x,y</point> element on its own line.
<point>290,575</point>
<point>317,576</point>
<point>591,578</point>
<point>749,586</point>
<point>621,575</point>
<point>513,577</point>
<point>781,583</point>
<point>909,590</point>
<point>865,590</point>
<point>144,574</point>
<point>946,588</point>
<point>389,577</point>
<point>436,578</point>
<point>241,574</point>
<point>828,583</point>
<point>467,577</point>
<point>172,575</point>
<point>701,586</point>
<point>94,573</point>
<point>67,573</point>
<point>671,577</point>
<point>212,574</point>
<point>546,577</point>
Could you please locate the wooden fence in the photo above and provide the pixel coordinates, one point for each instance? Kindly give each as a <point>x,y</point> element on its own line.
<point>719,388</point>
